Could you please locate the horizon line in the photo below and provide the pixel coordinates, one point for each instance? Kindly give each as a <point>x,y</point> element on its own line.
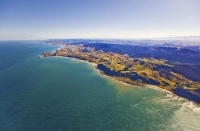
<point>136,38</point>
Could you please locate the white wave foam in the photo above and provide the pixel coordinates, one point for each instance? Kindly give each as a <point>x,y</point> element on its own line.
<point>158,88</point>
<point>187,117</point>
<point>173,97</point>
<point>192,106</point>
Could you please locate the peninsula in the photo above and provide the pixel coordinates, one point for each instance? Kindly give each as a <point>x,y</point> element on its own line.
<point>134,70</point>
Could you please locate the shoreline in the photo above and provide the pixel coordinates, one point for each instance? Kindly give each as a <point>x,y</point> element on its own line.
<point>147,86</point>
<point>160,89</point>
<point>95,66</point>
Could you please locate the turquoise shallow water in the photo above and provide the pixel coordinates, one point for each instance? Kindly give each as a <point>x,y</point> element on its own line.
<point>67,94</point>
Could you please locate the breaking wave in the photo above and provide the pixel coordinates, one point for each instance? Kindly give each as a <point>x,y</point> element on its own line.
<point>187,117</point>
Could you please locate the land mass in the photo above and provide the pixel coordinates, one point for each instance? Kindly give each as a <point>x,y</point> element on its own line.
<point>170,68</point>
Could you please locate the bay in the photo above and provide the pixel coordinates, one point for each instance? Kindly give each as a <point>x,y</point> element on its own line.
<point>58,93</point>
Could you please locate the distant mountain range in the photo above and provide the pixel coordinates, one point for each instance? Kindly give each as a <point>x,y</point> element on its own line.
<point>157,41</point>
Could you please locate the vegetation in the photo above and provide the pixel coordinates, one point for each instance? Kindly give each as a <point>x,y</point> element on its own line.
<point>130,70</point>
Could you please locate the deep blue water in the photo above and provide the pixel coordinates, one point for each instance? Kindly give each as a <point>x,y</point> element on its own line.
<point>58,93</point>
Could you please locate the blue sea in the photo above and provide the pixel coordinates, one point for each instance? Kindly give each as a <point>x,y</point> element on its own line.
<point>66,94</point>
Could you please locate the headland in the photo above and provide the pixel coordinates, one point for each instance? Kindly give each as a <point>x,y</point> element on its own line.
<point>135,71</point>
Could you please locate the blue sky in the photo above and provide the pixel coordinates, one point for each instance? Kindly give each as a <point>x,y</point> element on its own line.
<point>44,19</point>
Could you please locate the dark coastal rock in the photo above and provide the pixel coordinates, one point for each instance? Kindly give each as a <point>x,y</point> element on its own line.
<point>190,95</point>
<point>40,56</point>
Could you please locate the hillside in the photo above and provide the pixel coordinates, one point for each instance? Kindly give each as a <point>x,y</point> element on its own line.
<point>134,70</point>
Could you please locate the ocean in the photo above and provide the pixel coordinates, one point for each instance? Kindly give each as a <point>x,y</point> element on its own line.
<point>66,94</point>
